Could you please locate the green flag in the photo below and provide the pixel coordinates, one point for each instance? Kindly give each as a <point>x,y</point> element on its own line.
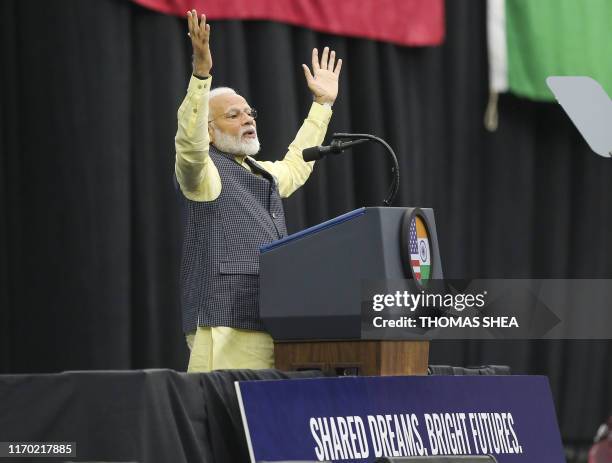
<point>530,40</point>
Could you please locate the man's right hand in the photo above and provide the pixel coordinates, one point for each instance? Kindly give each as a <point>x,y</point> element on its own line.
<point>199,32</point>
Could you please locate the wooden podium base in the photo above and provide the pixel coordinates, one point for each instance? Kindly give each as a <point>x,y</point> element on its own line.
<point>354,358</point>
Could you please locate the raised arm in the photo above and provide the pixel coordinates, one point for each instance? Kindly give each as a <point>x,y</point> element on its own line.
<point>292,172</point>
<point>196,174</point>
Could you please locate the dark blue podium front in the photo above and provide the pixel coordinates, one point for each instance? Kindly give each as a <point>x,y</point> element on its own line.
<point>310,282</point>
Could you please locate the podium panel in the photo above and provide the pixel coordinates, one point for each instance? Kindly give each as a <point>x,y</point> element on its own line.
<point>310,282</point>
<point>310,292</point>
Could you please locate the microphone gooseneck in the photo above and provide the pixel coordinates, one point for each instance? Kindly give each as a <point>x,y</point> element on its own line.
<point>338,145</point>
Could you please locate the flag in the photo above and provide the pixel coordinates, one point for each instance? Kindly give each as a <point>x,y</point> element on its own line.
<point>404,22</point>
<point>420,255</point>
<point>529,40</point>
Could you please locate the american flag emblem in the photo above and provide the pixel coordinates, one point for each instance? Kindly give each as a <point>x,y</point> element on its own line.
<point>420,258</point>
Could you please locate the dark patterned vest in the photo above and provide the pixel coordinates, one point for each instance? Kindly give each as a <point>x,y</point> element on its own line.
<point>219,279</point>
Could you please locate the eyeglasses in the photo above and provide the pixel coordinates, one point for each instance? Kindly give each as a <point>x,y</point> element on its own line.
<point>234,114</point>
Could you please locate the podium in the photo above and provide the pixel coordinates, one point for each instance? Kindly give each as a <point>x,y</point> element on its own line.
<point>310,292</point>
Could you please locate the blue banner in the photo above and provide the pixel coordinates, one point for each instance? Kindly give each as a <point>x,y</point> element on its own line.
<point>363,418</point>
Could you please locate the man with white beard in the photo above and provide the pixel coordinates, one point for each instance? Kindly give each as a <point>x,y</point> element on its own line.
<point>232,206</point>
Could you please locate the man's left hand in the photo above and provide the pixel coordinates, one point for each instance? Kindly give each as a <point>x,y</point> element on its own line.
<point>323,81</point>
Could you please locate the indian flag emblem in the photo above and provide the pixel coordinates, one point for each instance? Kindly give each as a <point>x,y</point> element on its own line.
<point>420,255</point>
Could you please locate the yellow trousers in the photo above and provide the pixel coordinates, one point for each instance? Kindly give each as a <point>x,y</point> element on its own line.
<point>221,348</point>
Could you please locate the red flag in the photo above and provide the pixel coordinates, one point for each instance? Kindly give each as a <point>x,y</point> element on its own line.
<point>404,22</point>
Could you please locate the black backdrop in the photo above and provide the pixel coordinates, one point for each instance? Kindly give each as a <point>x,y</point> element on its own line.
<point>89,230</point>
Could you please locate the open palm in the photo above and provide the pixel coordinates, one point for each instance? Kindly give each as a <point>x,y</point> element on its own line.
<point>323,81</point>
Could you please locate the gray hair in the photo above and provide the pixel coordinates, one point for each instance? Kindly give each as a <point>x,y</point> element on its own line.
<point>220,91</point>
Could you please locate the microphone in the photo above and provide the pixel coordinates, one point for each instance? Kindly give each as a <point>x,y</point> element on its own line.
<point>336,147</point>
<point>315,153</point>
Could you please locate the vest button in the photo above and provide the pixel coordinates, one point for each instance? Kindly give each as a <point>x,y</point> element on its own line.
<point>274,215</point>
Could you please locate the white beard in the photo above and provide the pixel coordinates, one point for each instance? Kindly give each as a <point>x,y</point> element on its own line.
<point>235,144</point>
